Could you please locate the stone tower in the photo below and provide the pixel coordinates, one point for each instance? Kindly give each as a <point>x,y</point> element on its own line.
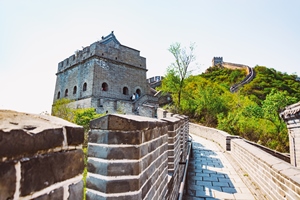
<point>217,60</point>
<point>102,75</point>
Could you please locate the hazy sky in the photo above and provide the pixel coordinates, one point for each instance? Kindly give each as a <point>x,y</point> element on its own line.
<point>35,35</point>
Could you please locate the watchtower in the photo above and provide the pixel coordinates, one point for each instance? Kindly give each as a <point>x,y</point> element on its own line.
<point>101,74</point>
<point>216,61</point>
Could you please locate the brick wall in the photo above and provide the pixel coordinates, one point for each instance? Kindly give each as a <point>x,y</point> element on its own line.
<point>218,136</point>
<point>127,158</point>
<point>40,157</point>
<point>134,157</point>
<point>277,179</point>
<point>178,128</point>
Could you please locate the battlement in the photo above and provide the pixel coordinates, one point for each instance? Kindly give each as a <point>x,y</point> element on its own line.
<point>217,60</point>
<point>109,48</point>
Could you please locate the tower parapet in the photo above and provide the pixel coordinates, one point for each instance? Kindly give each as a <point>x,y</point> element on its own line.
<point>217,60</point>
<point>108,48</point>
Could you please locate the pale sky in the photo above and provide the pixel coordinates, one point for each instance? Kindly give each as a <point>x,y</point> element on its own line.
<point>35,35</point>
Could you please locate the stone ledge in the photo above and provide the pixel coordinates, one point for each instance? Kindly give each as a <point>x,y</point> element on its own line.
<point>121,168</point>
<point>17,144</point>
<point>125,123</point>
<point>125,151</point>
<point>44,170</point>
<point>134,137</point>
<point>25,135</point>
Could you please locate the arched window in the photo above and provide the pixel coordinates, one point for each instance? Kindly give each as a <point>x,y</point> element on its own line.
<point>125,90</point>
<point>75,90</point>
<point>66,92</point>
<point>138,91</point>
<point>84,87</point>
<point>104,87</point>
<point>58,95</point>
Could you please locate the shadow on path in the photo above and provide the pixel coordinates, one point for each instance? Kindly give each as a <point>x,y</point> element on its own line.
<point>207,176</point>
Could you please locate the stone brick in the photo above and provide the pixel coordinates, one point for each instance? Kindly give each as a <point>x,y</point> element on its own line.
<point>112,185</point>
<point>18,143</point>
<point>125,122</point>
<point>54,194</point>
<point>90,195</point>
<point>44,170</point>
<point>113,168</point>
<point>7,180</point>
<point>107,152</point>
<point>76,191</point>
<point>75,135</point>
<point>115,137</point>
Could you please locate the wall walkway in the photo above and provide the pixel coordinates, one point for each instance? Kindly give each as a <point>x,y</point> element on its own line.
<point>212,175</point>
<point>273,177</point>
<point>134,157</point>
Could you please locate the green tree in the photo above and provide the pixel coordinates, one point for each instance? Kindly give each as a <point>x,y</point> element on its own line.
<point>83,116</point>
<point>62,109</point>
<point>274,103</point>
<point>179,69</point>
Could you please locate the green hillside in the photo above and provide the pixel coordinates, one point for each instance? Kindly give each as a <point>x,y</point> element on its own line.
<point>252,112</point>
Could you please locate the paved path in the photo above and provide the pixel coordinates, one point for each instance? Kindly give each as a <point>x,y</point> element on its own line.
<point>211,175</point>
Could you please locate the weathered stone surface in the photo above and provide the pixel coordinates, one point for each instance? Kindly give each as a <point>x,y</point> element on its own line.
<point>24,134</point>
<point>55,194</point>
<point>112,185</point>
<point>75,135</point>
<point>115,137</point>
<point>114,168</point>
<point>125,122</point>
<point>124,152</point>
<point>44,170</point>
<point>76,191</point>
<point>7,180</point>
<point>18,143</point>
<point>106,152</point>
<point>93,196</point>
<point>30,123</point>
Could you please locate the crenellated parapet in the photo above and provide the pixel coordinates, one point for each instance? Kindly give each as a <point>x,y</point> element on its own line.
<point>134,157</point>
<point>107,49</point>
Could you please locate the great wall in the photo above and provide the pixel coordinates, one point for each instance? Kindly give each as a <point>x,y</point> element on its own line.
<point>218,61</point>
<point>129,157</point>
<point>147,153</point>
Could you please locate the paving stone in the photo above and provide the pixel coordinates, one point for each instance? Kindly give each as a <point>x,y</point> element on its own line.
<point>244,190</point>
<point>241,196</point>
<point>230,190</point>
<point>213,174</point>
<point>204,183</point>
<point>196,187</point>
<point>204,175</point>
<point>223,195</point>
<point>220,184</point>
<point>210,179</point>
